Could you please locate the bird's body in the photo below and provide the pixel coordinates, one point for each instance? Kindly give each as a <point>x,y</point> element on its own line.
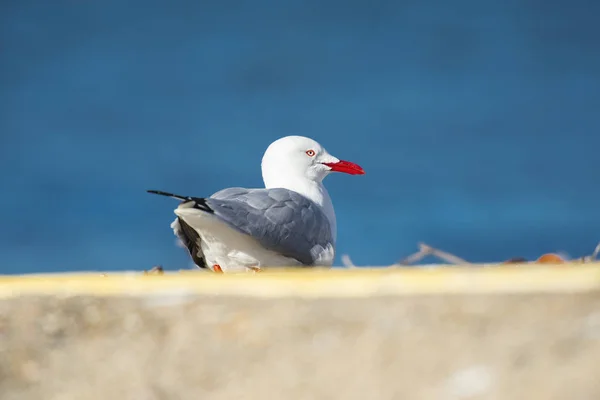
<point>289,223</point>
<point>222,230</point>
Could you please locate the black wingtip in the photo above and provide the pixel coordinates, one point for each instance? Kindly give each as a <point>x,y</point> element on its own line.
<point>176,196</point>
<point>159,192</point>
<point>199,203</point>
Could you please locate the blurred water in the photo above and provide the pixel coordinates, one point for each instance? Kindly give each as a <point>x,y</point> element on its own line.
<point>477,122</point>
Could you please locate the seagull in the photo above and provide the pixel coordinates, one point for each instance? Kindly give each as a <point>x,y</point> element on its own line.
<point>289,223</point>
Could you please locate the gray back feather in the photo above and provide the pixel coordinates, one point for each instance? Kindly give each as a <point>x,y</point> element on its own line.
<point>281,220</point>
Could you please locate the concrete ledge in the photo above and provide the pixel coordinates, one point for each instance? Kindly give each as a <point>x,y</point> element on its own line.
<point>518,332</point>
<point>319,283</point>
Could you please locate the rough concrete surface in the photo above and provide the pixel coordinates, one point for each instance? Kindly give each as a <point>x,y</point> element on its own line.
<point>503,346</point>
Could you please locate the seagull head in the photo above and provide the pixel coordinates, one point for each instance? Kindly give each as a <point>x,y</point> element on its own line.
<point>293,157</point>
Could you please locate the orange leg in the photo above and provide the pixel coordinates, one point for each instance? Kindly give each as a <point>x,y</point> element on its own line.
<point>217,268</point>
<point>255,269</point>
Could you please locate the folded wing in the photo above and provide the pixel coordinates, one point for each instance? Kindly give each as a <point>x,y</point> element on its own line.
<point>281,220</point>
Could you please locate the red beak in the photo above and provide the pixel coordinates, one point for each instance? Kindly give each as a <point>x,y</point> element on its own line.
<point>346,167</point>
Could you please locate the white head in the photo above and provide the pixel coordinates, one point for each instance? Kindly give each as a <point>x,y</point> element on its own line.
<point>298,158</point>
<point>300,164</point>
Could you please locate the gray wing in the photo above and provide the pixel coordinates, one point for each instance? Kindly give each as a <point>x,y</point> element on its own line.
<point>280,220</point>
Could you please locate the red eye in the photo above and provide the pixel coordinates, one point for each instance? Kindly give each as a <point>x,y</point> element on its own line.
<point>310,153</point>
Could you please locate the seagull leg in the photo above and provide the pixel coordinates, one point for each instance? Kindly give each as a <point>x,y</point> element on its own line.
<point>255,269</point>
<point>217,268</point>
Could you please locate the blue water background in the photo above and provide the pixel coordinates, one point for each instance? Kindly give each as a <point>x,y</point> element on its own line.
<point>478,123</point>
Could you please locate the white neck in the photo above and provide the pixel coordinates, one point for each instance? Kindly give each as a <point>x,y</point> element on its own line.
<point>310,189</point>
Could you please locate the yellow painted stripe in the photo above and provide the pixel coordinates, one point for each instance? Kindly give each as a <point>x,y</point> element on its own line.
<point>361,282</point>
